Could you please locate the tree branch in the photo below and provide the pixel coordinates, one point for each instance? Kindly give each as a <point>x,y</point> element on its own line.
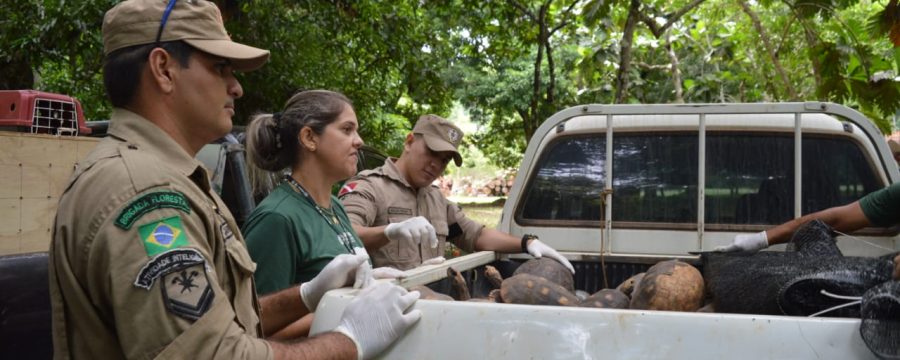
<point>657,30</point>
<point>769,49</point>
<point>676,73</point>
<point>522,9</point>
<point>625,53</point>
<point>565,18</point>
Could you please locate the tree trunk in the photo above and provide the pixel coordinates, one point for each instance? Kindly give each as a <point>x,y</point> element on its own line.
<point>812,41</point>
<point>676,73</point>
<point>767,43</point>
<point>625,52</point>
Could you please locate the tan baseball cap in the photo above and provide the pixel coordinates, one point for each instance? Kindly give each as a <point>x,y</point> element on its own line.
<point>196,22</point>
<point>440,135</point>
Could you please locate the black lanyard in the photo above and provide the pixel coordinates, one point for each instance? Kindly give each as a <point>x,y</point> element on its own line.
<point>344,235</point>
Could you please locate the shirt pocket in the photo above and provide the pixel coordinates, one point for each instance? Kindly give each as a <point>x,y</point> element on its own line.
<point>240,257</point>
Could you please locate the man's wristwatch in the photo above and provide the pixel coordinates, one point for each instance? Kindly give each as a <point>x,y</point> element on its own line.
<point>525,239</point>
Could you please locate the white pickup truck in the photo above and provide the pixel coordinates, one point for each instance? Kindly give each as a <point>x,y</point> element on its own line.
<point>617,188</point>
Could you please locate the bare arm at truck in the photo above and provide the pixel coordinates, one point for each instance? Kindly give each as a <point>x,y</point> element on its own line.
<point>845,218</point>
<point>878,208</point>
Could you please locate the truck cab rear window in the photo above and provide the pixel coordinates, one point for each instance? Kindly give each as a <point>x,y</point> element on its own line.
<point>749,178</point>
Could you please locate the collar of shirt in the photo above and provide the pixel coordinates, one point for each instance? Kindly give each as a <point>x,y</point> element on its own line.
<point>390,170</point>
<point>135,129</point>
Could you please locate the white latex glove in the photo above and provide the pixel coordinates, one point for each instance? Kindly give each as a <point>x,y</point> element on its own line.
<point>375,318</point>
<point>746,243</point>
<point>387,272</point>
<point>412,231</point>
<point>538,249</point>
<point>434,261</point>
<point>364,274</point>
<point>340,272</point>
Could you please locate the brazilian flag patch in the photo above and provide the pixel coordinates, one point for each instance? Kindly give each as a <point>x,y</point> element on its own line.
<point>163,235</point>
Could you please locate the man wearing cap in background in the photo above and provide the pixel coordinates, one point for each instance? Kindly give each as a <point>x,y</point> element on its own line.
<point>404,221</point>
<point>146,261</point>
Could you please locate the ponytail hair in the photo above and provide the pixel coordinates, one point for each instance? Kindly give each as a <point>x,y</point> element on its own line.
<point>273,141</point>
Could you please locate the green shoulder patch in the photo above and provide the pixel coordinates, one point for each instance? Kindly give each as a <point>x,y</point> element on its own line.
<point>163,235</point>
<point>149,202</point>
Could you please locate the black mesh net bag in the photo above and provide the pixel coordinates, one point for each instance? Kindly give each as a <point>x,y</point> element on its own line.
<point>815,238</point>
<point>797,282</point>
<point>880,326</point>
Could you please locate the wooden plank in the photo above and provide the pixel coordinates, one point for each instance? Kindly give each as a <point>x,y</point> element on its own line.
<point>37,220</point>
<point>36,181</point>
<point>35,150</point>
<point>10,143</point>
<point>59,179</point>
<point>9,226</point>
<point>10,181</point>
<point>34,170</point>
<point>85,146</point>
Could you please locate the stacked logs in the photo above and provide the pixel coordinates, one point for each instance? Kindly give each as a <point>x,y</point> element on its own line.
<point>499,185</point>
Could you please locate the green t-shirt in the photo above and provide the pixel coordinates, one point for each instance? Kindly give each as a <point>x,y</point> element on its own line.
<point>290,241</point>
<point>882,207</point>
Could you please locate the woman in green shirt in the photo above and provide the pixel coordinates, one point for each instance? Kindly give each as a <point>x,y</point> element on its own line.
<point>300,226</point>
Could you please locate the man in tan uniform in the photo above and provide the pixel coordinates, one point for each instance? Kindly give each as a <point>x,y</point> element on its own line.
<point>404,221</point>
<point>146,261</point>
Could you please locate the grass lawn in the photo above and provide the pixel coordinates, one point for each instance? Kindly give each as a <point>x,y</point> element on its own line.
<point>485,210</point>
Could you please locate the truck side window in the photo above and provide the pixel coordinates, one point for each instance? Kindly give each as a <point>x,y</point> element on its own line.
<point>655,177</point>
<point>568,181</point>
<point>750,177</point>
<point>835,172</point>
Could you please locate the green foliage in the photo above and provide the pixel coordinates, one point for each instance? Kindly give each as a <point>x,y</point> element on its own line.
<point>380,54</point>
<point>59,42</point>
<point>400,59</point>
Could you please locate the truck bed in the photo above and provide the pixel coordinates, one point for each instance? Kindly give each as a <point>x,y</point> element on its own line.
<point>460,330</point>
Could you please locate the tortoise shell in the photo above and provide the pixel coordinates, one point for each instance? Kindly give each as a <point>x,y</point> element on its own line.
<point>548,269</point>
<point>606,299</point>
<point>535,290</point>
<point>669,285</point>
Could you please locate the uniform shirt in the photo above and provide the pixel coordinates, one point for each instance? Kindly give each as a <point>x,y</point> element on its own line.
<point>146,261</point>
<point>882,207</point>
<point>382,196</point>
<point>290,241</point>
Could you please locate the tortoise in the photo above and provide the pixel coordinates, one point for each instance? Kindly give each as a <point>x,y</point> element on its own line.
<point>549,269</point>
<point>493,276</point>
<point>606,299</point>
<point>669,285</point>
<point>535,290</point>
<point>458,282</point>
<point>627,286</point>
<point>428,294</point>
<point>495,296</point>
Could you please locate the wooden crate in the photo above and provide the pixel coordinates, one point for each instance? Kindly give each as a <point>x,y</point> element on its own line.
<point>34,170</point>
